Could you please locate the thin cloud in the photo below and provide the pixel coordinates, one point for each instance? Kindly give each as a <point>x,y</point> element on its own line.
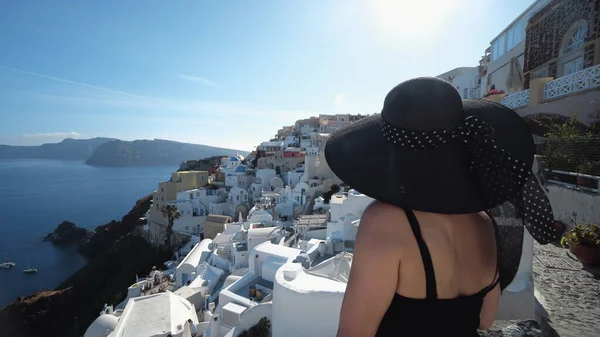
<point>231,111</point>
<point>197,79</point>
<point>67,81</point>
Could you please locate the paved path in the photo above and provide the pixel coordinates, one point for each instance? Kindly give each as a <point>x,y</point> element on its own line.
<point>514,329</point>
<point>569,294</point>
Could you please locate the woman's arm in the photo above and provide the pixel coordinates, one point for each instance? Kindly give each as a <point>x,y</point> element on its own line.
<point>374,272</point>
<point>489,309</point>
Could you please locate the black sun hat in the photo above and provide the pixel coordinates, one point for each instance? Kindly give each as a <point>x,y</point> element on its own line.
<point>431,151</point>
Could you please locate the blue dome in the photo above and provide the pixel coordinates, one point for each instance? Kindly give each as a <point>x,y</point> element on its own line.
<point>234,159</point>
<point>240,169</point>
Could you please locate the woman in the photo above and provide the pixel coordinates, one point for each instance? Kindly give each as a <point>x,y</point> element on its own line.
<point>428,258</point>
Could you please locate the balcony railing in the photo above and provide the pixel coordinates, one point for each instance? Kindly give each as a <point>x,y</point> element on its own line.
<point>581,80</point>
<point>516,100</point>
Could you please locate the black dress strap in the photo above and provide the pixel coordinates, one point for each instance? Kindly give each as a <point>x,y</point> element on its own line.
<point>431,286</point>
<point>493,285</point>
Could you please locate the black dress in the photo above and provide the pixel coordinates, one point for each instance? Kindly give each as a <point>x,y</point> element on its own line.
<point>431,316</point>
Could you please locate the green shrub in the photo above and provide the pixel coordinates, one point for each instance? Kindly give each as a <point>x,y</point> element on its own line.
<point>582,235</point>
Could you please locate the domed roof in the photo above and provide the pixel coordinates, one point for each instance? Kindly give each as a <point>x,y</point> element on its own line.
<point>240,169</point>
<point>99,327</point>
<point>234,159</point>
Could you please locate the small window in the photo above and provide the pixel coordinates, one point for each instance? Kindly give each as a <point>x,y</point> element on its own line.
<point>501,45</point>
<point>509,39</point>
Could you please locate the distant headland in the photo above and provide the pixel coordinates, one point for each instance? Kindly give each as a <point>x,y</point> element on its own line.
<point>115,152</point>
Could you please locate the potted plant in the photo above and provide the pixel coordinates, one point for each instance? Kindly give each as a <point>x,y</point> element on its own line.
<point>261,329</point>
<point>584,242</point>
<point>589,168</point>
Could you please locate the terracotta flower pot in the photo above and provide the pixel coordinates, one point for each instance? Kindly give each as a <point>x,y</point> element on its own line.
<point>560,227</point>
<point>587,255</point>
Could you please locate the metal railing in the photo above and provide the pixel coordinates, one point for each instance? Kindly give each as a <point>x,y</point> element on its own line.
<point>578,176</point>
<point>516,100</point>
<point>581,80</point>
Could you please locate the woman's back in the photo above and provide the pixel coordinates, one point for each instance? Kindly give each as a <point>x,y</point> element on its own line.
<point>441,289</point>
<point>435,272</point>
<point>462,248</point>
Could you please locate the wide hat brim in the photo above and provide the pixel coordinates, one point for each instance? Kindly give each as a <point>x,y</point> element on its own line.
<point>437,180</point>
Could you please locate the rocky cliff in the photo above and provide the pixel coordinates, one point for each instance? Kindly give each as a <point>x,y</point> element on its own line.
<point>68,233</point>
<point>117,255</point>
<point>207,164</point>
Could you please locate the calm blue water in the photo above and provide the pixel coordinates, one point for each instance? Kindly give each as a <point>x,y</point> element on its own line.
<point>37,195</point>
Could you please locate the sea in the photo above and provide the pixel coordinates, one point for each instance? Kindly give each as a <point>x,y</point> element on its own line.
<point>36,195</point>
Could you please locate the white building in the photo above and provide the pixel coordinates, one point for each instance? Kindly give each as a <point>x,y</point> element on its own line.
<point>315,165</point>
<point>264,261</point>
<point>305,302</point>
<point>465,80</point>
<point>187,269</point>
<point>207,277</point>
<point>344,211</point>
<point>293,177</point>
<point>507,50</point>
<point>193,205</point>
<point>238,177</point>
<point>155,315</point>
<point>236,201</point>
<point>230,163</point>
<point>102,326</point>
<point>314,295</point>
<point>271,146</point>
<point>290,141</point>
<point>261,183</point>
<point>305,129</point>
<point>305,140</point>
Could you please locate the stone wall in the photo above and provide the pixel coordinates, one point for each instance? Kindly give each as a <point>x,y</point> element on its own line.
<point>547,28</point>
<point>567,201</point>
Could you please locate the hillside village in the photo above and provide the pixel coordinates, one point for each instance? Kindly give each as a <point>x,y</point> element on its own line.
<point>265,241</point>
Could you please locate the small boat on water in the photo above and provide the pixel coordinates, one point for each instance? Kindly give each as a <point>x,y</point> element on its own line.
<point>30,270</point>
<point>7,264</point>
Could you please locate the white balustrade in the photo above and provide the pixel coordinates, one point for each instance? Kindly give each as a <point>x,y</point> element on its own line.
<point>581,80</point>
<point>516,100</point>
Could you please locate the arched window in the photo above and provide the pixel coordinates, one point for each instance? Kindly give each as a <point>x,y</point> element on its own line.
<point>571,60</point>
<point>576,39</point>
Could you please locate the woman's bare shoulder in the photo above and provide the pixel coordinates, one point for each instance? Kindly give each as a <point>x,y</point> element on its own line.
<point>381,217</point>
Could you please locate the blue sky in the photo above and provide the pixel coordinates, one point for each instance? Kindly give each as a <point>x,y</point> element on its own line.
<point>222,73</point>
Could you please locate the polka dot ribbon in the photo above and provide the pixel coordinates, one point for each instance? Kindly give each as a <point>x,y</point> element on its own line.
<point>501,177</point>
